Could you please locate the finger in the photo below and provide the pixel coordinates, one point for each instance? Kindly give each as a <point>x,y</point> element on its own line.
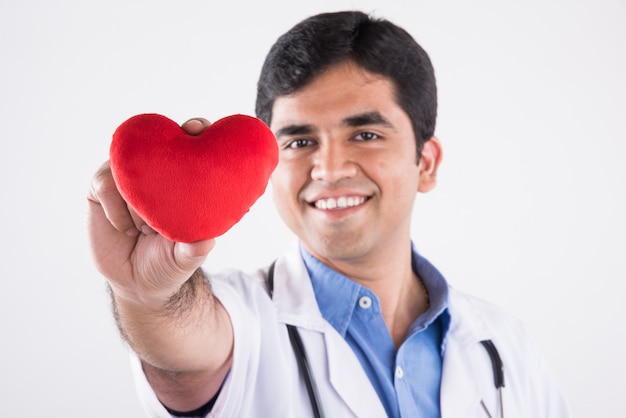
<point>140,224</point>
<point>190,256</point>
<point>195,126</point>
<point>105,239</point>
<point>104,192</point>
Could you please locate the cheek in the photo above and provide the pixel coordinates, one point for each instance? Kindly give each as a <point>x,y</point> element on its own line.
<point>398,177</point>
<point>285,192</point>
<point>291,175</point>
<point>285,187</point>
<point>395,167</point>
<point>281,178</point>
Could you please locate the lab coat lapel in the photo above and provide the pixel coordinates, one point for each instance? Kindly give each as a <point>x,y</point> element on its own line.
<point>464,362</point>
<point>459,389</point>
<point>294,297</point>
<point>349,379</point>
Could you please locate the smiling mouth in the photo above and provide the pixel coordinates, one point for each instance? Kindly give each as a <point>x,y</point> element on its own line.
<point>342,202</point>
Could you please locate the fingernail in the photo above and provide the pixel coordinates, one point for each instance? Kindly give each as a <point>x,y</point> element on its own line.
<point>193,126</point>
<point>132,231</point>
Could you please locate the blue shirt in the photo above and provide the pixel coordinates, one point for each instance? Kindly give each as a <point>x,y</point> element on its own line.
<point>407,380</point>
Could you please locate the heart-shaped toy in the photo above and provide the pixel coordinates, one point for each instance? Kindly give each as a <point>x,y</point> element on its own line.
<point>192,187</point>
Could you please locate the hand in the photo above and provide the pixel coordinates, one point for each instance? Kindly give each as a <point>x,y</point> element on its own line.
<point>141,266</point>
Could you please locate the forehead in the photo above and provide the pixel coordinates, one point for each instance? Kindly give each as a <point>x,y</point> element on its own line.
<point>345,89</point>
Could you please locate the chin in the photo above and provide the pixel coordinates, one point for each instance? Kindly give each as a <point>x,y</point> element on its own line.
<point>338,248</point>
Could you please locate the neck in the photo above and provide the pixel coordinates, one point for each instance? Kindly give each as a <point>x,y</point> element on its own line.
<point>389,274</point>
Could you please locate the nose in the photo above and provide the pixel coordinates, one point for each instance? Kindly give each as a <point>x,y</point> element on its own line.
<point>333,162</point>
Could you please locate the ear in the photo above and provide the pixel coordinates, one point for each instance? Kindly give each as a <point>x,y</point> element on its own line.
<point>429,163</point>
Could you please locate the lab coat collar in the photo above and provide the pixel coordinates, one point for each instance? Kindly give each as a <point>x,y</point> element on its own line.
<point>294,297</point>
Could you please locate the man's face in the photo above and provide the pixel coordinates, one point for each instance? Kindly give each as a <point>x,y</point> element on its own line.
<point>347,174</point>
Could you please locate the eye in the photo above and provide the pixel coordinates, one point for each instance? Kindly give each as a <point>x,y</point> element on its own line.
<point>299,143</point>
<point>366,136</point>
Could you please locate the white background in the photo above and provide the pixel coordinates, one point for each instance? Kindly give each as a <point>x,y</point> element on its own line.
<point>529,211</point>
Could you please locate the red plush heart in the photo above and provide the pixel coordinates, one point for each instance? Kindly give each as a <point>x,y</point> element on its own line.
<point>189,187</point>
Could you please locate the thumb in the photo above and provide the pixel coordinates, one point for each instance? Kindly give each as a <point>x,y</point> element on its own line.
<point>190,256</point>
<point>195,126</point>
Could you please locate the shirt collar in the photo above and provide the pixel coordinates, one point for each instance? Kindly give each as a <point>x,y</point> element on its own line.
<point>337,295</point>
<point>437,288</point>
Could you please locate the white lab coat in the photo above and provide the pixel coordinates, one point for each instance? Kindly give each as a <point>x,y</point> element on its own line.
<point>264,380</point>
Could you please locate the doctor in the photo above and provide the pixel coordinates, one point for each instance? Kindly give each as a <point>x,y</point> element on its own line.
<point>353,321</point>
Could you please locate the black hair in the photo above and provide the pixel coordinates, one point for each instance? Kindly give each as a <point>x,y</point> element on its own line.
<point>377,45</point>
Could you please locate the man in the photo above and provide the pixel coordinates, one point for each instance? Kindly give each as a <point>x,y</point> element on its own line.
<point>378,332</point>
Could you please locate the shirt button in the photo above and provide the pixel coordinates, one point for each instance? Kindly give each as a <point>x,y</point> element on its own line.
<point>399,372</point>
<point>365,302</point>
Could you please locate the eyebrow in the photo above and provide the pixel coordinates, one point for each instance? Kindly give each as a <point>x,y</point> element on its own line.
<point>368,118</point>
<point>362,119</point>
<point>293,130</point>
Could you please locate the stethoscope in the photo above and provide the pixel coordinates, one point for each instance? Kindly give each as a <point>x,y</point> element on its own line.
<point>311,386</point>
<point>498,375</point>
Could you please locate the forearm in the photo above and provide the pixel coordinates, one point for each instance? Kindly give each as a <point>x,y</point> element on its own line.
<point>188,332</point>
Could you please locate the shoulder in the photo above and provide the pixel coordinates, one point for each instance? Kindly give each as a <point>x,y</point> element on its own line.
<point>474,319</point>
<point>481,315</point>
<point>530,387</point>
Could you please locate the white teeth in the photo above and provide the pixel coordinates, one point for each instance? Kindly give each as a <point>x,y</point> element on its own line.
<point>339,203</point>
